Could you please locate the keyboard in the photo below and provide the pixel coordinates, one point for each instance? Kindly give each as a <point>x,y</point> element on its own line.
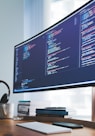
<point>44,128</point>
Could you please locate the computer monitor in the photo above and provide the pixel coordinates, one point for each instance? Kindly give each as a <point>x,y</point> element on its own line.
<point>62,56</point>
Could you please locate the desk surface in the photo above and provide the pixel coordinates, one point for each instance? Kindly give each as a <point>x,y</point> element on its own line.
<point>8,128</point>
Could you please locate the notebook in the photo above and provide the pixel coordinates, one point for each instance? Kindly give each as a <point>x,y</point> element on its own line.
<point>44,128</point>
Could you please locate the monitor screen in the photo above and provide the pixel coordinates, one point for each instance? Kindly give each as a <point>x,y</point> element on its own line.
<point>61,56</point>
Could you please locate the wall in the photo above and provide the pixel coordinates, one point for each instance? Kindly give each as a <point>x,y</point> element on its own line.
<point>16,25</point>
<point>24,19</point>
<point>11,33</point>
<point>36,19</point>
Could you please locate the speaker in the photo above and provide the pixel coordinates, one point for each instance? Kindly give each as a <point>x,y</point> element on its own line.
<point>5,97</point>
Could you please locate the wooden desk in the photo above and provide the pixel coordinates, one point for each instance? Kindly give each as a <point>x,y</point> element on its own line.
<point>8,128</point>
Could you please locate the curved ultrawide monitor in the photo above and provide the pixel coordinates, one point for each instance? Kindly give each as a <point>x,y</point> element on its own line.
<point>61,56</point>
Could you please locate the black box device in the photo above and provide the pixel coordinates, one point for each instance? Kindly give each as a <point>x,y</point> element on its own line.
<point>67,124</point>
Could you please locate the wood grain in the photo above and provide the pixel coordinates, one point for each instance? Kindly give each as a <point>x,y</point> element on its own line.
<point>8,128</point>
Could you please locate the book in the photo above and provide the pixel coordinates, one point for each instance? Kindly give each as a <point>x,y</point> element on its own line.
<point>50,115</point>
<point>59,112</point>
<point>56,108</point>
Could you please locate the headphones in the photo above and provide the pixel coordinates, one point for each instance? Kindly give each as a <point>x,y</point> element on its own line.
<point>5,97</point>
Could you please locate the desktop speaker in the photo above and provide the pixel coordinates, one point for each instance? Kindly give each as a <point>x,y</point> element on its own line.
<point>5,97</point>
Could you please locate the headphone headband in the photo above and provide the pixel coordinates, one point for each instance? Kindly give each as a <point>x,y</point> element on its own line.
<point>5,97</point>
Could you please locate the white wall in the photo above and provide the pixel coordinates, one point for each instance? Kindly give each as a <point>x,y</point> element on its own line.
<point>11,33</point>
<point>36,19</point>
<point>19,20</point>
<point>36,16</point>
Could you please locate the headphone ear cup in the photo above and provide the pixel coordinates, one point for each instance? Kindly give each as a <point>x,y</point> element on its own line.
<point>4,98</point>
